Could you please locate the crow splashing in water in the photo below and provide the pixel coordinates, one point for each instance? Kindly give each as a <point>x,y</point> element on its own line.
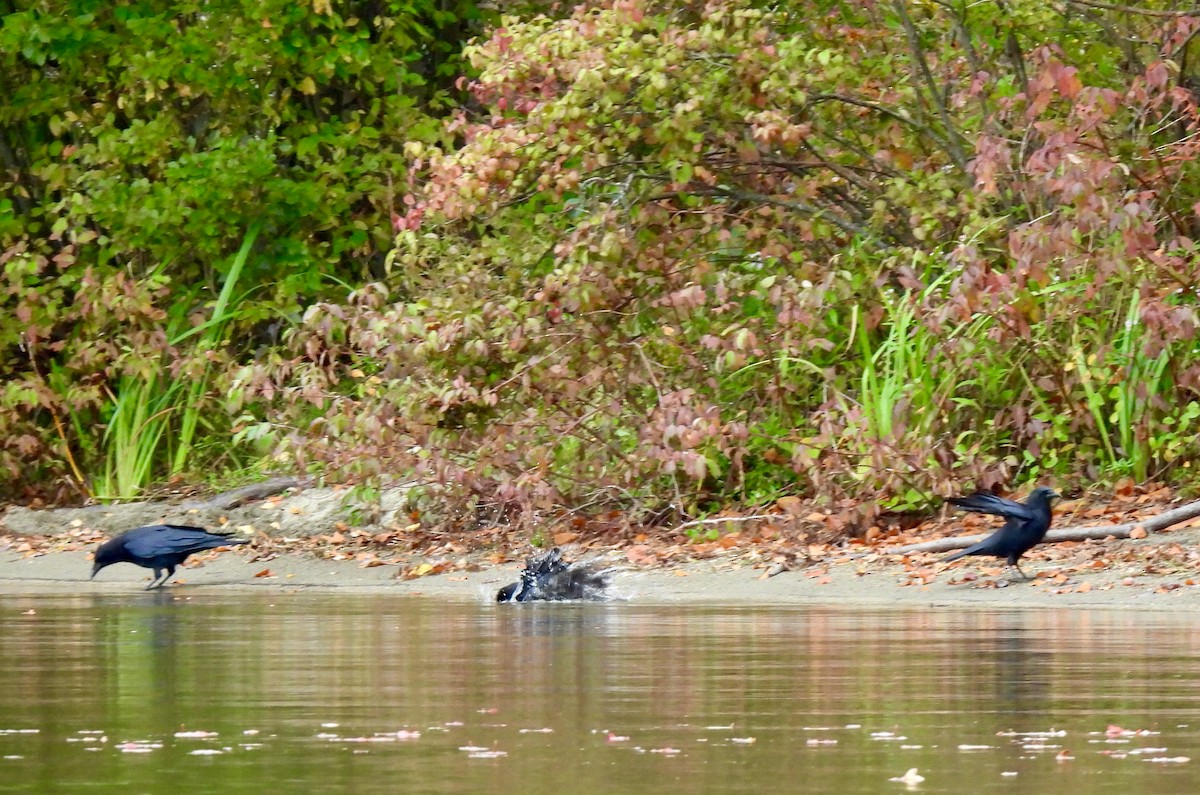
<point>551,579</point>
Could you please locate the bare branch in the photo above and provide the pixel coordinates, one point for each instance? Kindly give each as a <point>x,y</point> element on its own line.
<point>724,519</point>
<point>801,207</point>
<point>953,148</point>
<point>1085,533</point>
<point>1145,12</point>
<point>899,116</point>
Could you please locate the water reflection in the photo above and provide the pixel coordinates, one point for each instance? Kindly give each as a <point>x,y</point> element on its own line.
<point>187,690</point>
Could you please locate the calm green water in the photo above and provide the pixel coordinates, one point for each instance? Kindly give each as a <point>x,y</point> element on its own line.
<point>306,693</point>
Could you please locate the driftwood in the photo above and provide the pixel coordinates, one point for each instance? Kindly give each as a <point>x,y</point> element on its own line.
<point>228,500</point>
<point>1085,533</point>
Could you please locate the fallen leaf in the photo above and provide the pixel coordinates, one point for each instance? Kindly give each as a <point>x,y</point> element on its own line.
<point>565,538</point>
<point>265,573</point>
<point>789,505</point>
<point>641,555</point>
<point>1138,532</point>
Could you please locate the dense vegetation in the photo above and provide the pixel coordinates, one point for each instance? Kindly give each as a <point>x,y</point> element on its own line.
<point>141,145</point>
<point>657,256</point>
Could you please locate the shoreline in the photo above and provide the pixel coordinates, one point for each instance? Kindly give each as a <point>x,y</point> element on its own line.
<point>729,581</point>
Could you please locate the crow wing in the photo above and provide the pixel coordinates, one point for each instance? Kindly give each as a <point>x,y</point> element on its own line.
<point>983,502</point>
<point>173,539</point>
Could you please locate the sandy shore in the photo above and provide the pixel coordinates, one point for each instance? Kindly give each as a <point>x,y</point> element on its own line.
<point>879,582</point>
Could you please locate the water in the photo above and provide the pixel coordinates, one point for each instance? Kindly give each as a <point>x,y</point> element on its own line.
<point>306,692</point>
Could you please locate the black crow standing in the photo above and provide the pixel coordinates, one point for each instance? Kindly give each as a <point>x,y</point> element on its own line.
<point>159,547</point>
<point>1026,524</point>
<point>549,578</point>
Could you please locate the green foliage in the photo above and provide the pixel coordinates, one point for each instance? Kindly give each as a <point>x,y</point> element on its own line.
<point>725,254</point>
<point>152,424</point>
<point>665,256</point>
<point>140,142</point>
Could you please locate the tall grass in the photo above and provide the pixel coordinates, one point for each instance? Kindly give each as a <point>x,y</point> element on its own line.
<point>920,406</point>
<point>211,332</point>
<point>1125,388</point>
<point>153,424</point>
<point>141,412</point>
<point>909,377</point>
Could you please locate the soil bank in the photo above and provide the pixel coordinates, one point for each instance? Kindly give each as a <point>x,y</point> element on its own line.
<point>731,581</point>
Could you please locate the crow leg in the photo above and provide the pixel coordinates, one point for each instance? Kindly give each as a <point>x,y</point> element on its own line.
<point>158,583</point>
<point>1025,577</point>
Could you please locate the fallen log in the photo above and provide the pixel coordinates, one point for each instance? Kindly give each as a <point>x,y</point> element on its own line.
<point>1152,524</point>
<point>234,498</point>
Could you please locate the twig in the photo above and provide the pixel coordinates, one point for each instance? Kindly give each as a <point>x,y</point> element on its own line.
<point>1084,533</point>
<point>720,519</point>
<point>81,482</point>
<point>1146,12</point>
<point>798,206</point>
<point>954,149</point>
<point>659,395</point>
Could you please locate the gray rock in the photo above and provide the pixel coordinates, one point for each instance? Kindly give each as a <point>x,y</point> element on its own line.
<point>303,512</point>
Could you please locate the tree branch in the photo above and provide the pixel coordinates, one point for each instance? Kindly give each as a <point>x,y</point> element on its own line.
<point>954,148</point>
<point>1146,12</point>
<point>899,116</point>
<point>1085,533</point>
<point>801,207</point>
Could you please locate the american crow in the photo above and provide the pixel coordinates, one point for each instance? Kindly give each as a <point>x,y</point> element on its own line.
<point>159,547</point>
<point>550,578</point>
<point>1026,524</point>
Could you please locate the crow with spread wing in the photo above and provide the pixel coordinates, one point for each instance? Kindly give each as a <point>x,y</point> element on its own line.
<point>1025,524</point>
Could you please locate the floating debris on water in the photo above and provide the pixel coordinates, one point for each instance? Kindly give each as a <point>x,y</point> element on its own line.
<point>487,755</point>
<point>138,747</point>
<point>911,778</point>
